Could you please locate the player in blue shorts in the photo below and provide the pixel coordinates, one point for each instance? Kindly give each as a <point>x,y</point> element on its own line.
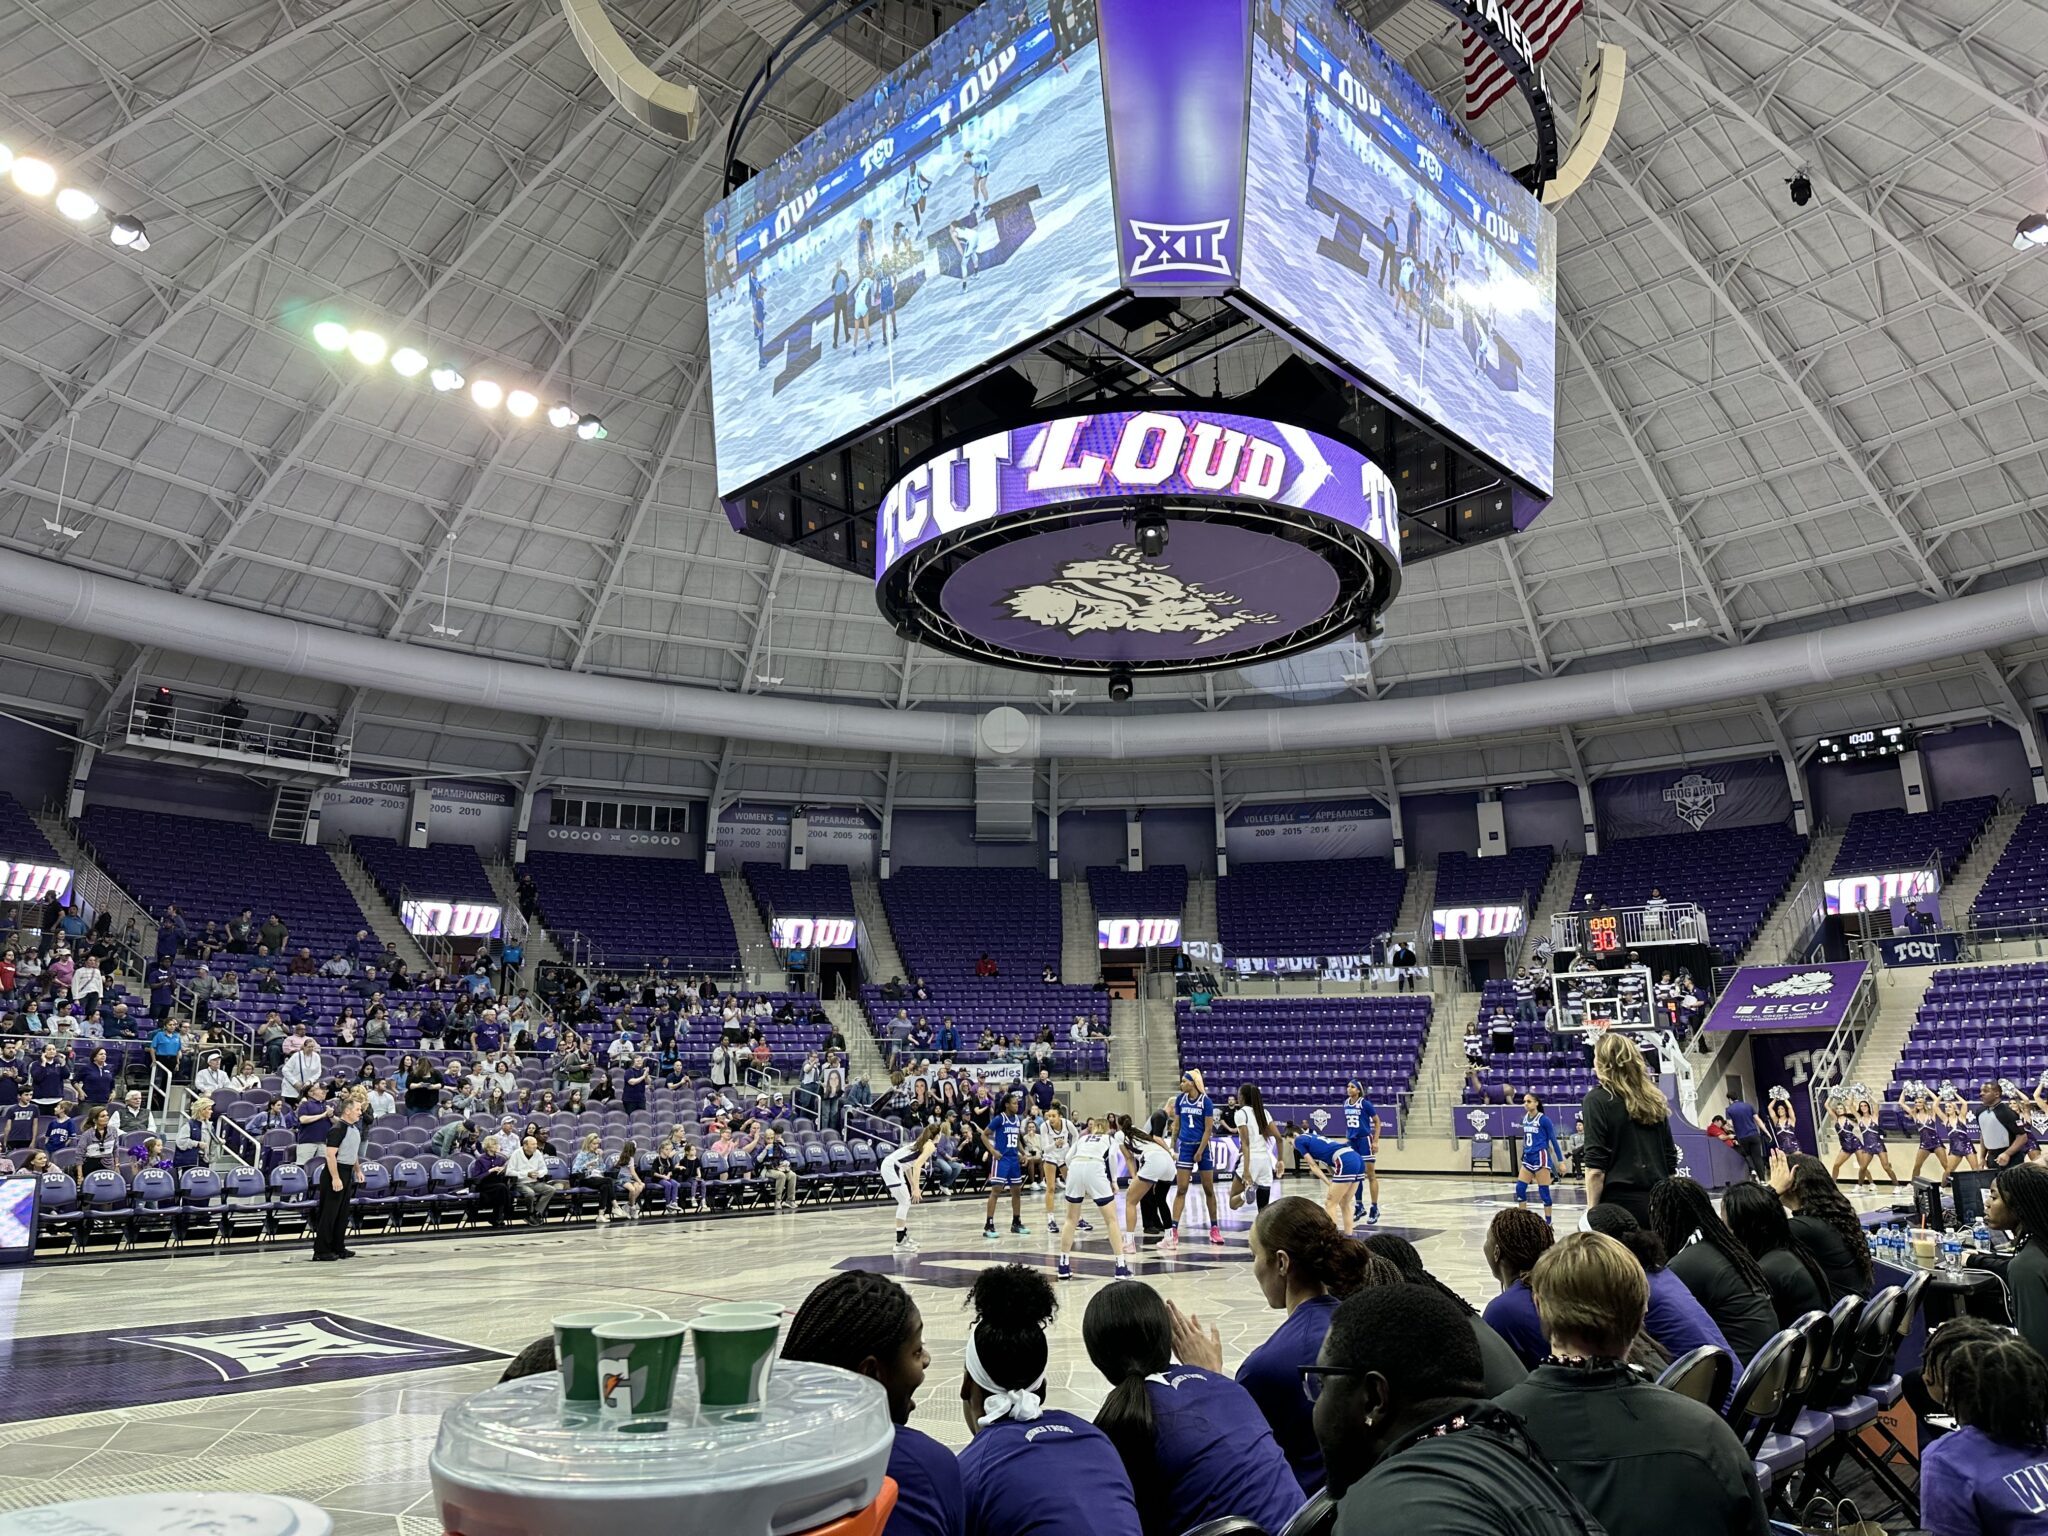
<point>1362,1135</point>
<point>1194,1118</point>
<point>1006,1166</point>
<point>1339,1168</point>
<point>757,293</point>
<point>1542,1153</point>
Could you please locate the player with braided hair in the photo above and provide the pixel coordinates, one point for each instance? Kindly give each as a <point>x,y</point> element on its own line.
<point>866,1323</point>
<point>1824,1222</point>
<point>1502,1366</point>
<point>1717,1269</point>
<point>1517,1238</point>
<point>1991,1476</point>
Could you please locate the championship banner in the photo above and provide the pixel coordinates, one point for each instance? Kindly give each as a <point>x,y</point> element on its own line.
<point>1348,829</point>
<point>1803,997</point>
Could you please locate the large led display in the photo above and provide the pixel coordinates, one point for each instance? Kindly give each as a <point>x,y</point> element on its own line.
<point>952,214</point>
<point>1377,231</point>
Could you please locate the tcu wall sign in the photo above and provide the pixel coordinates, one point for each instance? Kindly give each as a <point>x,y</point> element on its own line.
<point>1025,546</point>
<point>1137,933</point>
<point>812,933</point>
<point>1493,922</point>
<point>452,919</point>
<point>23,881</point>
<point>1876,893</point>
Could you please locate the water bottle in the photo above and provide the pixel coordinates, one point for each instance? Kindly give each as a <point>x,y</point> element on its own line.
<point>1980,1235</point>
<point>1876,1245</point>
<point>1951,1249</point>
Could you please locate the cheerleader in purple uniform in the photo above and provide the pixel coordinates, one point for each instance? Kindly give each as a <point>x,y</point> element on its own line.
<point>1919,1105</point>
<point>1870,1139</point>
<point>1962,1145</point>
<point>1848,1138</point>
<point>1784,1122</point>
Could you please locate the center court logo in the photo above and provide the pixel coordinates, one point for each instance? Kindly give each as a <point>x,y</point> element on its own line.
<point>282,1348</point>
<point>1181,248</point>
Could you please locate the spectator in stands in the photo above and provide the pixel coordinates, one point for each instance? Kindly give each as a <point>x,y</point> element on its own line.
<point>311,1116</point>
<point>1798,1284</point>
<point>95,1079</point>
<point>1408,1442</point>
<point>986,967</point>
<point>1824,1222</point>
<point>1717,1269</point>
<point>171,931</point>
<point>1986,1478</point>
<point>302,1068</point>
<point>303,963</point>
<point>273,934</point>
<point>88,984</point>
<point>1637,1456</point>
<point>1626,1123</point>
<point>167,1045</point>
<point>212,1076</point>
<point>274,1116</point>
<point>527,1168</point>
<point>589,1170</point>
<point>99,1143</point>
<point>337,967</point>
<point>1514,1242</point>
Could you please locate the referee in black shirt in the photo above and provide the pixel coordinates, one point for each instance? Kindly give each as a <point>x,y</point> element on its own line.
<point>343,1151</point>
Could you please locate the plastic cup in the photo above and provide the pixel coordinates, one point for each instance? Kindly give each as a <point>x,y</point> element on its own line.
<point>576,1349</point>
<point>740,1309</point>
<point>637,1362</point>
<point>734,1356</point>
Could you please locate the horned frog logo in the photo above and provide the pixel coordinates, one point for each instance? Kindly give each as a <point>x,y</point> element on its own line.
<point>1805,984</point>
<point>1125,591</point>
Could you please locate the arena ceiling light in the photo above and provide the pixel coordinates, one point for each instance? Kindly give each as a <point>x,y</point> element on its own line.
<point>38,178</point>
<point>487,394</point>
<point>128,232</point>
<point>591,430</point>
<point>331,336</point>
<point>446,379</point>
<point>408,362</point>
<point>367,347</point>
<point>77,206</point>
<point>6,159</point>
<point>521,403</point>
<point>562,414</point>
<point>2032,233</point>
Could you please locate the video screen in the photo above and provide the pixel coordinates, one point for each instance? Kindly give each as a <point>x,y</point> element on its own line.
<point>812,933</point>
<point>452,919</point>
<point>1137,933</point>
<point>955,212</point>
<point>1499,921</point>
<point>1849,894</point>
<point>1377,230</point>
<point>17,1219</point>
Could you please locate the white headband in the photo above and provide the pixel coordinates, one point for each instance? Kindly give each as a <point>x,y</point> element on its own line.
<point>1023,1404</point>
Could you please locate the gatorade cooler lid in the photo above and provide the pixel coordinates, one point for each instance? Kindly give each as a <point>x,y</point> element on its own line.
<point>817,1450</point>
<point>154,1514</point>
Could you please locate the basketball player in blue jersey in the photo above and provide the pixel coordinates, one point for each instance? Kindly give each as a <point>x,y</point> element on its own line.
<point>1542,1153</point>
<point>757,295</point>
<point>1194,1116</point>
<point>1362,1135</point>
<point>1006,1166</point>
<point>1339,1169</point>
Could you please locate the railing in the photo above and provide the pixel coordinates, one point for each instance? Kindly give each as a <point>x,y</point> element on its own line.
<point>860,1122</point>
<point>1828,1070</point>
<point>149,720</point>
<point>1678,922</point>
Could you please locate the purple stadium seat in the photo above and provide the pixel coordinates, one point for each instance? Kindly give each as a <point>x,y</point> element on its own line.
<point>1734,875</point>
<point>1313,907</point>
<point>637,911</point>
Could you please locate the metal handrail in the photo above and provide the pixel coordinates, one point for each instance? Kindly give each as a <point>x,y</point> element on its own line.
<point>1677,922</point>
<point>186,725</point>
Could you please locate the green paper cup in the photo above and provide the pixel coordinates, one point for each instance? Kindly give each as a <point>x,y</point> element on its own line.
<point>576,1349</point>
<point>637,1362</point>
<point>741,1309</point>
<point>734,1355</point>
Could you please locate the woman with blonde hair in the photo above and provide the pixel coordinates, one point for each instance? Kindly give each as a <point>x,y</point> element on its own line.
<point>1626,1122</point>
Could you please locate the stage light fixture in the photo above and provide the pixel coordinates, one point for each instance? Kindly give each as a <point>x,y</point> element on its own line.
<point>77,206</point>
<point>561,414</point>
<point>1120,684</point>
<point>331,336</point>
<point>127,232</point>
<point>367,347</point>
<point>1151,535</point>
<point>445,378</point>
<point>521,403</point>
<point>487,394</point>
<point>2032,233</point>
<point>408,362</point>
<point>591,430</point>
<point>1802,189</point>
<point>38,178</point>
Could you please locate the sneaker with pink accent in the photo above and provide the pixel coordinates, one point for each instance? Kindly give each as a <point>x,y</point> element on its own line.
<point>1172,1238</point>
<point>1216,1235</point>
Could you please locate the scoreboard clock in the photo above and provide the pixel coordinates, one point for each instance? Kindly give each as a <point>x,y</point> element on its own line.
<point>1603,934</point>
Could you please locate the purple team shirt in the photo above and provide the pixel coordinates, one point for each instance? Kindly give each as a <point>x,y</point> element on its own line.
<point>1051,1476</point>
<point>1971,1485</point>
<point>1272,1374</point>
<point>1217,1453</point>
<point>929,1500</point>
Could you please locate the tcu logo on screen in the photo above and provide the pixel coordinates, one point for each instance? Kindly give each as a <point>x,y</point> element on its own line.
<point>452,919</point>
<point>1874,893</point>
<point>1137,932</point>
<point>1494,922</point>
<point>33,882</point>
<point>812,933</point>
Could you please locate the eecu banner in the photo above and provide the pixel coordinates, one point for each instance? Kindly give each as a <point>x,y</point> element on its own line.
<point>1804,997</point>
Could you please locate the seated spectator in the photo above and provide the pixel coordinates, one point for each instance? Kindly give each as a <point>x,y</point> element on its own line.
<point>1637,1456</point>
<point>527,1168</point>
<point>1717,1269</point>
<point>1677,1324</point>
<point>2018,1203</point>
<point>1988,1477</point>
<point>1409,1444</point>
<point>1194,1442</point>
<point>1824,1222</point>
<point>1514,1242</point>
<point>1030,1468</point>
<point>1798,1284</point>
<point>1503,1368</point>
<point>337,966</point>
<point>588,1170</point>
<point>985,967</point>
<point>624,1173</point>
<point>866,1323</point>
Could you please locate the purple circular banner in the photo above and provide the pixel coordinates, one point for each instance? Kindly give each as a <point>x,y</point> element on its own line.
<point>1086,593</point>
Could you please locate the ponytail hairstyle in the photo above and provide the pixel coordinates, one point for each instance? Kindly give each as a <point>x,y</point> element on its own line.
<point>1617,1223</point>
<point>1317,1253</point>
<point>1013,1305</point>
<point>1250,1096</point>
<point>1680,1207</point>
<point>1618,1064</point>
<point>1816,1194</point>
<point>1129,1336</point>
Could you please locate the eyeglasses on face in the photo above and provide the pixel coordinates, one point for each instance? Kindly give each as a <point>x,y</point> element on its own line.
<point>1312,1377</point>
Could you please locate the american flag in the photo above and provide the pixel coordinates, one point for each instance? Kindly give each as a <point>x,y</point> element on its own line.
<point>1486,78</point>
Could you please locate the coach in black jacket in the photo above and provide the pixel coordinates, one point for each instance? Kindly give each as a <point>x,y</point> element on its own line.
<point>1637,1455</point>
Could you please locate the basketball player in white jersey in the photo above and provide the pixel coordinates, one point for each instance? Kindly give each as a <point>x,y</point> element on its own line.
<point>1257,1164</point>
<point>1151,1164</point>
<point>1087,1171</point>
<point>901,1172</point>
<point>1055,1143</point>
